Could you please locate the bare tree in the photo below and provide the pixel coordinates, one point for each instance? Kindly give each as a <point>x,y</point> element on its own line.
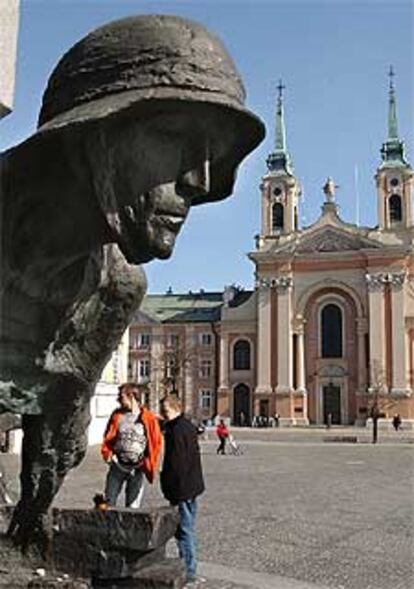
<point>176,357</point>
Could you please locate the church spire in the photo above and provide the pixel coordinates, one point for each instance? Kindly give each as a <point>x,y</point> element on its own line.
<point>279,160</point>
<point>392,109</point>
<point>280,135</point>
<point>393,149</point>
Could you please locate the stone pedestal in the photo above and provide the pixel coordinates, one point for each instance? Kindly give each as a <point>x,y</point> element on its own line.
<point>116,548</point>
<point>115,544</point>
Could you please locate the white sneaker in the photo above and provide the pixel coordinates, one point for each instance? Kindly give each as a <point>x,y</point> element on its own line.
<point>194,582</point>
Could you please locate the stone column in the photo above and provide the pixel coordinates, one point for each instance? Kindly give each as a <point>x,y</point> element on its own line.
<point>300,360</point>
<point>224,361</point>
<point>264,338</point>
<point>157,366</point>
<point>190,396</point>
<point>9,19</point>
<point>362,360</point>
<point>375,283</point>
<point>301,373</point>
<point>284,334</point>
<point>399,348</point>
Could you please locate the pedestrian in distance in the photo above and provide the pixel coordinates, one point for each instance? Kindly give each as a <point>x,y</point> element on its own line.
<point>131,446</point>
<point>396,422</point>
<point>222,433</point>
<point>182,479</point>
<point>329,421</point>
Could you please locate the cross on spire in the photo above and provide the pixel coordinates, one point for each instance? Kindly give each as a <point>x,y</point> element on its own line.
<point>391,75</point>
<point>280,87</point>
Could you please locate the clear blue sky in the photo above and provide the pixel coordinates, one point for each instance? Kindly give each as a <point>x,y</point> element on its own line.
<point>333,57</point>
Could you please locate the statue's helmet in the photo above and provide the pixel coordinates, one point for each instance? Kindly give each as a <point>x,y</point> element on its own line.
<point>127,64</point>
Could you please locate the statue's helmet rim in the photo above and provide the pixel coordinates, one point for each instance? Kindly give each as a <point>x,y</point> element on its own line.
<point>125,64</point>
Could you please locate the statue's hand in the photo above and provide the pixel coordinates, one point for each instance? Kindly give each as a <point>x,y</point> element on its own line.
<point>94,325</point>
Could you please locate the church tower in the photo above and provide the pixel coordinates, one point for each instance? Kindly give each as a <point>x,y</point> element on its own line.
<point>394,176</point>
<point>280,189</point>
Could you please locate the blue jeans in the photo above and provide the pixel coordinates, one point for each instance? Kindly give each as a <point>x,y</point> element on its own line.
<point>185,535</point>
<point>134,486</point>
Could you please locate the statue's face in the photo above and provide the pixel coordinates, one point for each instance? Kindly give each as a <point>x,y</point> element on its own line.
<point>159,166</point>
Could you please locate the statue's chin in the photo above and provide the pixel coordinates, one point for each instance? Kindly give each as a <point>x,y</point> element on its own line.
<point>160,248</point>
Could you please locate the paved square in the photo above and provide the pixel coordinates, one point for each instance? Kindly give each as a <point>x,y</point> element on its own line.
<point>293,515</point>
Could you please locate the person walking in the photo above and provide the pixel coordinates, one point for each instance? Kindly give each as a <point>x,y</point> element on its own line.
<point>222,434</point>
<point>131,446</point>
<point>182,479</point>
<point>396,422</point>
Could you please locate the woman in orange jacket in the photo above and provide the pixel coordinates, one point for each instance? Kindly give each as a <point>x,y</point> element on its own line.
<point>132,446</point>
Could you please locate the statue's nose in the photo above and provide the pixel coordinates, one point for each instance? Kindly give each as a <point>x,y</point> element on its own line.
<point>194,179</point>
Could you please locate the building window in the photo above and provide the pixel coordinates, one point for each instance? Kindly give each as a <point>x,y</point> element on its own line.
<point>206,339</point>
<point>173,340</point>
<point>395,208</point>
<point>144,368</point>
<point>241,355</point>
<point>331,330</point>
<point>170,368</point>
<point>278,214</point>
<point>205,368</point>
<point>206,398</point>
<point>145,340</point>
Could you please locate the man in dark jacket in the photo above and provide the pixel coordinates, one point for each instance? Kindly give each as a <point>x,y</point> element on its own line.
<point>182,477</point>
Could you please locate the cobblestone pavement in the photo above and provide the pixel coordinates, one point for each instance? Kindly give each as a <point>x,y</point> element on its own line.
<point>292,512</point>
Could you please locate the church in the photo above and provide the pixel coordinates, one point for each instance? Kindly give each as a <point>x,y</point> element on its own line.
<point>328,329</point>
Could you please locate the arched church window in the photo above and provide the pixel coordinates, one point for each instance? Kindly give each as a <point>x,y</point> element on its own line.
<point>241,355</point>
<point>331,331</point>
<point>277,216</point>
<point>395,208</point>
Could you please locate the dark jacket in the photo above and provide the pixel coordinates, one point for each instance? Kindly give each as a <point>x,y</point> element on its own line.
<point>181,475</point>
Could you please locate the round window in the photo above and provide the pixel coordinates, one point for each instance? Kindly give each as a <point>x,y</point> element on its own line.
<point>277,191</point>
<point>394,182</point>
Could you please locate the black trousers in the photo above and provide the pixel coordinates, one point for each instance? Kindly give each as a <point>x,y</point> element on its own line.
<point>222,446</point>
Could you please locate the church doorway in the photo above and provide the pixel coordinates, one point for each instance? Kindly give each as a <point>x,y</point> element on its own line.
<point>241,406</point>
<point>332,403</point>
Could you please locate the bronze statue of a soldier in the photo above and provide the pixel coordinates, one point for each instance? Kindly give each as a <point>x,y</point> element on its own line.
<point>141,119</point>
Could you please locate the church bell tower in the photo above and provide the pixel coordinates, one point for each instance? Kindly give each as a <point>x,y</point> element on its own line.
<point>394,176</point>
<point>280,189</point>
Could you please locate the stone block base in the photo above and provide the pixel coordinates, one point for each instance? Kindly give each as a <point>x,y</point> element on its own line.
<point>113,543</point>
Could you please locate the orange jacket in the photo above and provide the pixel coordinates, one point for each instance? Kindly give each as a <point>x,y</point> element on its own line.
<point>154,440</point>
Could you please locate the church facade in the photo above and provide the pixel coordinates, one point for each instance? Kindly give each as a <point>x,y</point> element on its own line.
<point>328,329</point>
<point>335,301</point>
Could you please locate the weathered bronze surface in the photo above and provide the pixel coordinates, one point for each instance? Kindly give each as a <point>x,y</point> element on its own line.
<point>141,120</point>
